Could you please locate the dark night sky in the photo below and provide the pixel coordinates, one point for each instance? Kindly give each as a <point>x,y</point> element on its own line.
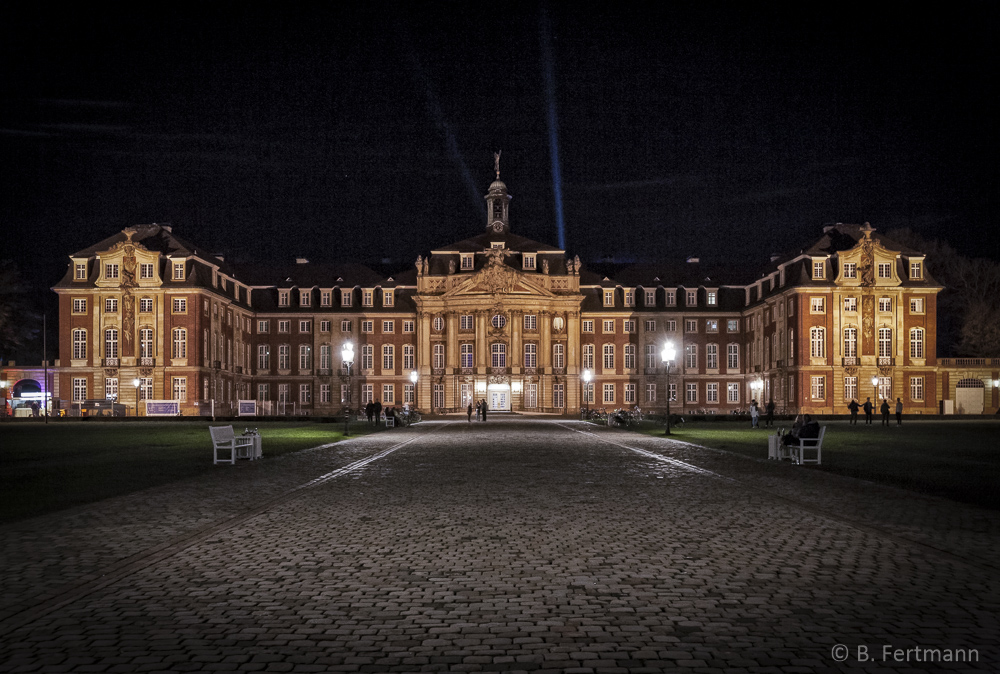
<point>368,131</point>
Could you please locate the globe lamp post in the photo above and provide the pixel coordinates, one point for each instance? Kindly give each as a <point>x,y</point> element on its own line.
<point>667,356</point>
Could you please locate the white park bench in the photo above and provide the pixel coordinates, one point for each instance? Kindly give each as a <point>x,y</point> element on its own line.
<point>797,450</point>
<point>243,447</point>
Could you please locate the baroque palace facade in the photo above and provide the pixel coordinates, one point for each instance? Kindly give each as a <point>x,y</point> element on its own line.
<point>500,317</point>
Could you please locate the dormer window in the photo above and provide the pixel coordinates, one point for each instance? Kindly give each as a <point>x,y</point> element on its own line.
<point>884,270</point>
<point>325,298</point>
<point>345,297</point>
<point>916,270</point>
<point>691,299</point>
<point>609,298</point>
<point>713,297</point>
<point>630,298</point>
<point>468,261</point>
<point>283,296</point>
<point>146,270</point>
<point>367,298</point>
<point>650,297</point>
<point>80,271</point>
<point>178,271</point>
<point>850,270</point>
<point>529,261</point>
<point>305,298</point>
<point>819,270</point>
<point>496,244</point>
<point>111,272</point>
<point>388,298</point>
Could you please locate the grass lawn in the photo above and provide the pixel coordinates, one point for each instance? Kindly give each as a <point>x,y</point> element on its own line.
<point>959,460</point>
<point>44,468</point>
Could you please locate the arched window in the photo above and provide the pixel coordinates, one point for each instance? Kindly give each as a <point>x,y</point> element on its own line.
<point>388,357</point>
<point>79,344</point>
<point>367,357</point>
<point>712,356</point>
<point>817,342</point>
<point>111,343</point>
<point>559,355</point>
<point>850,342</point>
<point>284,357</point>
<point>884,342</point>
<point>588,356</point>
<point>498,353</point>
<point>917,343</point>
<point>531,355</point>
<point>609,356</point>
<point>179,343</point>
<point>146,343</point>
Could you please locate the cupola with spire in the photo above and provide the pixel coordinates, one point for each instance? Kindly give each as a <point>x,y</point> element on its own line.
<point>497,202</point>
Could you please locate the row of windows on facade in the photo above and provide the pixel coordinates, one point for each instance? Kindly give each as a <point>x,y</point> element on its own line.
<point>649,297</point>
<point>112,271</point>
<point>817,305</point>
<point>883,270</point>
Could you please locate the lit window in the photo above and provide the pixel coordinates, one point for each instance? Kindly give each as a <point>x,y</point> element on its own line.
<point>711,325</point>
<point>817,342</point>
<point>916,388</point>
<point>916,305</point>
<point>733,325</point>
<point>819,270</point>
<point>712,298</point>
<point>916,270</point>
<point>818,388</point>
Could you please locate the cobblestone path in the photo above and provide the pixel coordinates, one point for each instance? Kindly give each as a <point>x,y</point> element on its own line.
<point>513,545</point>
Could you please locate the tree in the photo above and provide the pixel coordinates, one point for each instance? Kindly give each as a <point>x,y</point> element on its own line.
<point>969,307</point>
<point>17,320</point>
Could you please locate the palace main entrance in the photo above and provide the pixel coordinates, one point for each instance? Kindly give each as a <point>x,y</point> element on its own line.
<point>498,397</point>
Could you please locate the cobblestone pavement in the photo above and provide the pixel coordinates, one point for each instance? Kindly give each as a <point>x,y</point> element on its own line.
<point>507,546</point>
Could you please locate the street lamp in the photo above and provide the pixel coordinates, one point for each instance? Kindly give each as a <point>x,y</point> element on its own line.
<point>875,389</point>
<point>587,376</point>
<point>667,357</point>
<point>135,383</point>
<point>347,356</point>
<point>413,378</point>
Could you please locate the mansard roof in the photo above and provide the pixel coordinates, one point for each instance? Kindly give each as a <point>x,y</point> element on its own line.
<point>485,240</point>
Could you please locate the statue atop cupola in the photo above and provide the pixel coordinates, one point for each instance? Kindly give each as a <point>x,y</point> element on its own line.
<point>497,202</point>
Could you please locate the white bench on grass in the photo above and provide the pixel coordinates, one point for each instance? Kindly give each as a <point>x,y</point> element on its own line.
<point>776,449</point>
<point>224,438</point>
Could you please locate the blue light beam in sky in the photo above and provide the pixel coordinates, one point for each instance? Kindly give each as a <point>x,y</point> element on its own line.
<point>550,99</point>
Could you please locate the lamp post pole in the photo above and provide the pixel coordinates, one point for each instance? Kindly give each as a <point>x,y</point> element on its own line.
<point>667,356</point>
<point>347,354</point>
<point>875,390</point>
<point>135,383</point>
<point>413,378</point>
<point>587,376</point>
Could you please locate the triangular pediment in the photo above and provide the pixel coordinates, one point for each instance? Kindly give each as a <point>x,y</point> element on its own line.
<point>499,280</point>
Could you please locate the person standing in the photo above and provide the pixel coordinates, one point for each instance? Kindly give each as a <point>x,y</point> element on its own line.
<point>485,407</point>
<point>370,411</point>
<point>869,408</point>
<point>479,411</point>
<point>853,406</point>
<point>378,412</point>
<point>468,412</point>
<point>754,414</point>
<point>899,411</point>
<point>884,409</point>
<point>770,413</point>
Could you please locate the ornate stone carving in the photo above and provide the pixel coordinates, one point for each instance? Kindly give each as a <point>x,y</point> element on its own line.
<point>128,299</point>
<point>499,379</point>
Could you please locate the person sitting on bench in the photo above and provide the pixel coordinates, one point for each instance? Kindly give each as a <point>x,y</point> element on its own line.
<point>804,427</point>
